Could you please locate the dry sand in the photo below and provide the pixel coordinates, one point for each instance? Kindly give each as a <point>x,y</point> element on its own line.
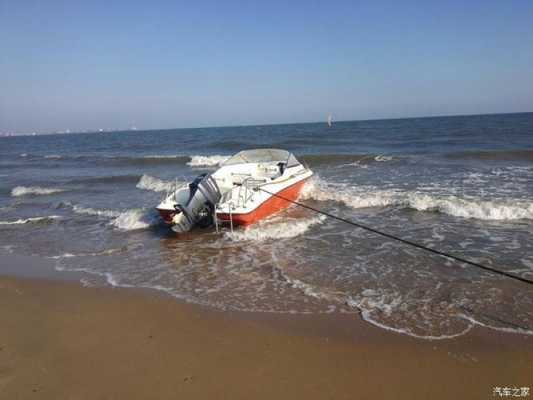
<point>59,340</point>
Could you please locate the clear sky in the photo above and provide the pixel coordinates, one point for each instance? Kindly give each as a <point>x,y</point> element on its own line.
<point>163,64</point>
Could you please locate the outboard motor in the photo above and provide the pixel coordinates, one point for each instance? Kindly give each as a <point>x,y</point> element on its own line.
<point>204,194</point>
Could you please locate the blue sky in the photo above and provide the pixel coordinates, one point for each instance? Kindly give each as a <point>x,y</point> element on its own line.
<point>165,64</point>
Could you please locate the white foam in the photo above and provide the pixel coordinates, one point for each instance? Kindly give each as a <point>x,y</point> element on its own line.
<point>369,301</point>
<point>91,211</point>
<point>206,161</point>
<point>64,255</point>
<point>164,157</point>
<point>501,329</point>
<point>276,228</point>
<point>355,164</point>
<point>33,190</point>
<point>310,290</point>
<point>136,219</point>
<point>8,248</point>
<point>94,254</point>
<point>320,190</point>
<point>360,197</point>
<point>366,315</point>
<point>30,220</point>
<point>488,210</point>
<point>382,158</point>
<point>113,281</point>
<point>148,182</point>
<point>53,156</point>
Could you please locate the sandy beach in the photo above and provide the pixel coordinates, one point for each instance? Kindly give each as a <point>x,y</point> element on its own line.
<point>60,340</point>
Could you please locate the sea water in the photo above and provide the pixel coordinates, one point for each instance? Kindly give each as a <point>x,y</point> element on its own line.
<point>463,185</point>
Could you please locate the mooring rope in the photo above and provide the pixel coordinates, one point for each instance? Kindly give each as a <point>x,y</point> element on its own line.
<point>405,241</point>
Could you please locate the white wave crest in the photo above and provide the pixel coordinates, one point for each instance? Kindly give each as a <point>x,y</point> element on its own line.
<point>31,220</point>
<point>136,219</point>
<point>53,156</point>
<point>163,157</point>
<point>206,161</point>
<point>488,210</point>
<point>148,182</point>
<point>91,211</point>
<point>382,158</point>
<point>275,229</point>
<point>320,190</point>
<point>361,197</point>
<point>33,190</point>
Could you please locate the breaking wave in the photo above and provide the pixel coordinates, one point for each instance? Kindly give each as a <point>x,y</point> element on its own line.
<point>91,211</point>
<point>201,161</point>
<point>136,219</point>
<point>124,220</point>
<point>275,228</point>
<point>33,190</point>
<point>206,161</point>
<point>457,207</point>
<point>510,209</point>
<point>382,158</point>
<point>31,220</point>
<point>148,182</point>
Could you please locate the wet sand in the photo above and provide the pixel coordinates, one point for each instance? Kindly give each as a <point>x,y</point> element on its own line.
<point>59,340</point>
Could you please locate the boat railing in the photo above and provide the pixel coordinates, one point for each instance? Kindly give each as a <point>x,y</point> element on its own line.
<point>246,190</point>
<point>238,197</point>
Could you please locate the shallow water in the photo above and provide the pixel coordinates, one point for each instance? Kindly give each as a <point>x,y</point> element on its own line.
<point>458,184</point>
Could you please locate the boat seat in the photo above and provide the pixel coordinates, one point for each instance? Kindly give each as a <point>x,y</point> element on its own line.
<point>267,171</point>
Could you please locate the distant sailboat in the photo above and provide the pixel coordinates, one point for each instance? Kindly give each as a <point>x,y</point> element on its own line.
<point>330,119</point>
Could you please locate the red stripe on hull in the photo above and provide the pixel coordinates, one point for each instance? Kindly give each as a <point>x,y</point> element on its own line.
<point>271,206</point>
<point>166,215</point>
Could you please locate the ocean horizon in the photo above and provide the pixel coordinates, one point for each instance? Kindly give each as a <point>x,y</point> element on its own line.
<point>125,130</point>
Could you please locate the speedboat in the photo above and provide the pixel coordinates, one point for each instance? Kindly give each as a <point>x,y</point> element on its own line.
<point>248,187</point>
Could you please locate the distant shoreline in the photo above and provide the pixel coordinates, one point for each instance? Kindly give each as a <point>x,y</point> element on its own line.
<point>96,131</point>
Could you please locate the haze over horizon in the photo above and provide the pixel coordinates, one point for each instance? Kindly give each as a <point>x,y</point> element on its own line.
<point>170,65</point>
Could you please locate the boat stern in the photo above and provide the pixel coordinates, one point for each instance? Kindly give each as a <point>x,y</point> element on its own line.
<point>167,215</point>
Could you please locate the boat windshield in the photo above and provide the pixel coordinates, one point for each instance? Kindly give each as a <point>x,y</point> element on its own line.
<point>263,155</point>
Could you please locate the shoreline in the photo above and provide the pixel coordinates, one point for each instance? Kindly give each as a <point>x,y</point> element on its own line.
<point>62,340</point>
